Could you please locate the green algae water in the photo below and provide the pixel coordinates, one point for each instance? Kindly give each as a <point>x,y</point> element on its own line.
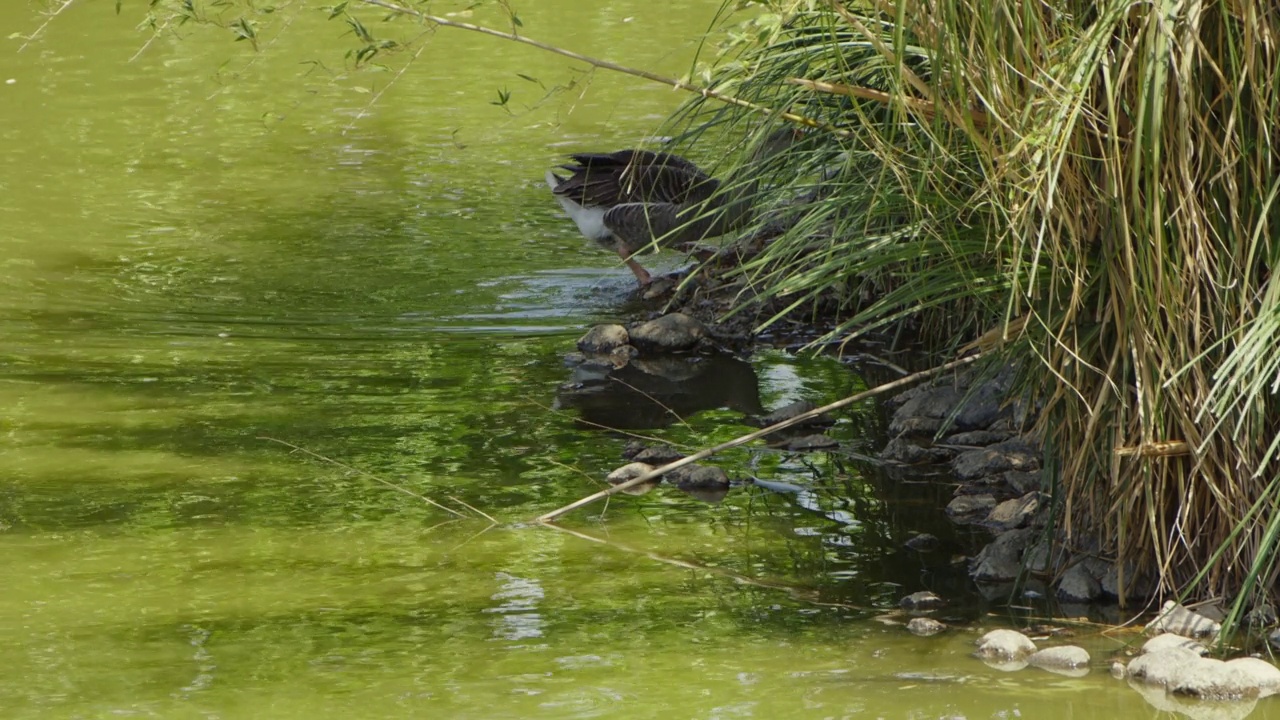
<point>206,250</point>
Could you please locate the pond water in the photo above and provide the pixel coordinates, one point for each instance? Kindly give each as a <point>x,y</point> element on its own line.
<point>205,249</point>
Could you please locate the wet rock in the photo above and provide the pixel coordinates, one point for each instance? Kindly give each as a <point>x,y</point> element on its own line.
<point>1066,659</point>
<point>1005,645</point>
<point>1274,639</point>
<point>795,409</point>
<point>671,333</point>
<point>924,542</point>
<point>1257,673</point>
<point>924,412</point>
<point>982,405</point>
<point>1001,560</point>
<point>1078,586</point>
<point>1161,667</point>
<point>1022,482</point>
<point>1176,619</point>
<point>909,453</point>
<point>809,443</point>
<point>976,438</point>
<point>925,627</point>
<point>923,600</point>
<point>1015,513</point>
<point>1013,454</point>
<point>1135,586</point>
<point>658,455</point>
<point>603,339</point>
<point>1192,709</point>
<point>1117,670</point>
<point>1166,641</point>
<point>700,477</point>
<point>970,508</point>
<point>630,472</point>
<point>1261,616</point>
<point>1208,679</point>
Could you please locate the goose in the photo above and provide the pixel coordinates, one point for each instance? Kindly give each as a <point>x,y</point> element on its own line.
<point>630,199</point>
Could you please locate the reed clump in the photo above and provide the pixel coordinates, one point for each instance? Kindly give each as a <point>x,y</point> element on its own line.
<point>1097,181</point>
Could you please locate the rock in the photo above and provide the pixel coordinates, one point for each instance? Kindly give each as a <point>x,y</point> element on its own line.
<point>671,333</point>
<point>1257,673</point>
<point>1013,454</point>
<point>976,438</point>
<point>1015,513</point>
<point>1274,639</point>
<point>630,472</point>
<point>1208,679</point>
<point>603,339</point>
<point>1136,586</point>
<point>970,508</point>
<point>924,411</point>
<point>786,412</point>
<point>982,406</point>
<point>658,455</point>
<point>924,627</point>
<point>1005,645</point>
<point>1261,616</point>
<point>1065,659</point>
<point>1002,559</point>
<point>1078,586</point>
<point>1166,641</point>
<point>1022,482</point>
<point>809,443</point>
<point>923,600</point>
<point>909,453</point>
<point>1178,620</point>
<point>700,477</point>
<point>1117,670</point>
<point>924,542</point>
<point>1160,668</point>
<point>1192,709</point>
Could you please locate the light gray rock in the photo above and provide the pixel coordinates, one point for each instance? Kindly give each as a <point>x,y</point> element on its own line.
<point>631,471</point>
<point>1208,679</point>
<point>603,339</point>
<point>924,627</point>
<point>1117,670</point>
<point>1257,673</point>
<point>1169,640</point>
<point>1078,586</point>
<point>1190,708</point>
<point>1005,644</point>
<point>1162,667</point>
<point>675,332</point>
<point>1069,660</point>
<point>1178,620</point>
<point>923,600</point>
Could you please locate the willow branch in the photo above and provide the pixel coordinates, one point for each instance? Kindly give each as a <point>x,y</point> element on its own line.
<point>606,65</point>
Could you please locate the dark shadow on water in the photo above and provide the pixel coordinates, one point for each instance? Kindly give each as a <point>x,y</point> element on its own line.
<point>657,392</point>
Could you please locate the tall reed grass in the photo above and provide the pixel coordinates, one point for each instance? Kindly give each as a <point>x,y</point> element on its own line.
<point>1098,182</point>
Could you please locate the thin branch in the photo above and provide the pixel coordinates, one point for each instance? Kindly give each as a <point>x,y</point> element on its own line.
<point>48,20</point>
<point>658,472</point>
<point>607,65</point>
<point>369,475</point>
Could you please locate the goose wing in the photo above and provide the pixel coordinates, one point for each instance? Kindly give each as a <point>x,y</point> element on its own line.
<point>634,176</point>
<point>636,224</point>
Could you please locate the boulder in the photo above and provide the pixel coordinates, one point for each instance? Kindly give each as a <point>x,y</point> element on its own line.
<point>1064,659</point>
<point>1005,645</point>
<point>1015,454</point>
<point>970,508</point>
<point>1161,667</point>
<point>809,443</point>
<point>700,477</point>
<point>907,452</point>
<point>1176,619</point>
<point>1078,586</point>
<point>658,455</point>
<point>1015,513</point>
<point>1166,641</point>
<point>1207,679</point>
<point>630,472</point>
<point>1001,560</point>
<point>924,627</point>
<point>786,412</point>
<point>975,438</point>
<point>1257,673</point>
<point>923,600</point>
<point>924,542</point>
<point>671,333</point>
<point>603,339</point>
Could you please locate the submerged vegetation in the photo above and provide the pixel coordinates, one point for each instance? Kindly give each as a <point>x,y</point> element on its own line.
<point>1089,189</point>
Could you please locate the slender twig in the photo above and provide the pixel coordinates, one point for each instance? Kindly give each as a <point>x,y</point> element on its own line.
<point>377,95</point>
<point>702,454</point>
<point>607,65</point>
<point>44,25</point>
<point>473,509</point>
<point>367,474</point>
